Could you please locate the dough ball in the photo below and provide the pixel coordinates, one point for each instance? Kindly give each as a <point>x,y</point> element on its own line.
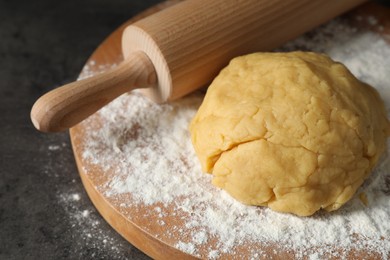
<point>296,131</point>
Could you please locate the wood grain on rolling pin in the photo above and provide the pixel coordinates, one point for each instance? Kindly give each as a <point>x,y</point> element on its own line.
<point>190,42</point>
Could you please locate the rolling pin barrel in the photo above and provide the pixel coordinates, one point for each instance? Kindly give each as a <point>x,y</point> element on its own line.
<point>190,42</point>
<point>186,46</point>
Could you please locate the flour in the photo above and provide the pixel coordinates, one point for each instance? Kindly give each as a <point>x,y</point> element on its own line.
<point>147,151</point>
<point>87,229</point>
<point>75,197</point>
<point>54,147</point>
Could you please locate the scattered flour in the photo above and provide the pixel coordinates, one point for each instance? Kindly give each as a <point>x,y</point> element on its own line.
<point>75,197</point>
<point>186,247</point>
<point>148,152</point>
<point>85,213</point>
<point>88,231</point>
<point>54,147</point>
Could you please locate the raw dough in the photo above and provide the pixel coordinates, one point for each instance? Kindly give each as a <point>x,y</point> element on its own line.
<point>296,131</point>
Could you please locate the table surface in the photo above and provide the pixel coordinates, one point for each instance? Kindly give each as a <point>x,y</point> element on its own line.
<point>44,211</point>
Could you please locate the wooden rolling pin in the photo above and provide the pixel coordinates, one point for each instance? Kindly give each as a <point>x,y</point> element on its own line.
<point>182,48</point>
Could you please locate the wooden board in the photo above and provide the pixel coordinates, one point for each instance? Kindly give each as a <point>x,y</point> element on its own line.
<point>143,233</point>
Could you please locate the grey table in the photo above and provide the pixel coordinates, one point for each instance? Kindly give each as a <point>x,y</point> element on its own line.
<point>44,210</point>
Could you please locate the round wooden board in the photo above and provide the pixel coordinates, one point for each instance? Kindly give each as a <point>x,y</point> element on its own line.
<point>143,233</point>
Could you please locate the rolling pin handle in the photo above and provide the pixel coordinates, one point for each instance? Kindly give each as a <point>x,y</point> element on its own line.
<point>68,105</point>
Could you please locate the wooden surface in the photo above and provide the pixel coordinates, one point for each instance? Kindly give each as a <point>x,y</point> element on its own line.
<point>145,234</point>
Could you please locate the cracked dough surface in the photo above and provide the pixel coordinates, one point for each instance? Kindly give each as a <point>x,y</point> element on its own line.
<point>295,131</point>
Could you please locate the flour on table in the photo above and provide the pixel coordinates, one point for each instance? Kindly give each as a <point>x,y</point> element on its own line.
<point>148,150</point>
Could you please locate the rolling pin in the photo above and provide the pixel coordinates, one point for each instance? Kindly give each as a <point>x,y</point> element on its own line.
<point>182,48</point>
